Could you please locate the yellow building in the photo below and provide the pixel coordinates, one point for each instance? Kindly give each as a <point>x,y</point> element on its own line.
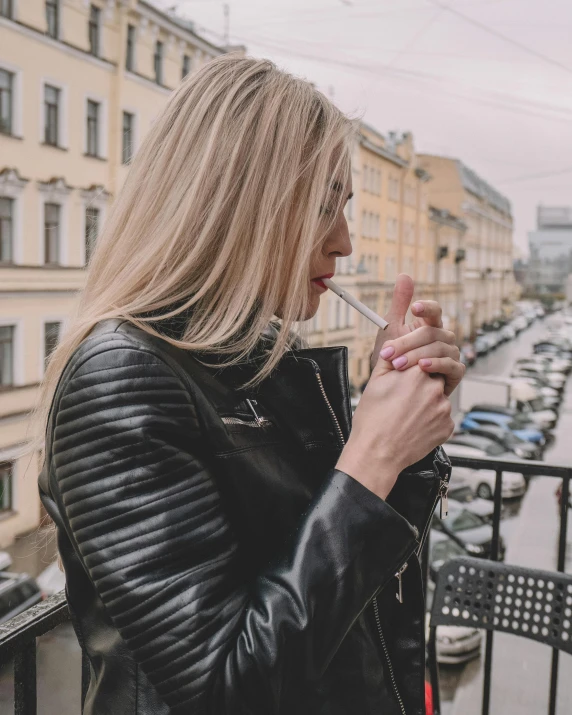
<point>447,244</point>
<point>388,225</point>
<point>489,287</point>
<point>80,83</point>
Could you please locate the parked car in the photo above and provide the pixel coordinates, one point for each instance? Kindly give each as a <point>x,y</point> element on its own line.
<point>5,560</point>
<point>551,398</point>
<point>468,530</point>
<point>508,439</point>
<point>482,481</point>
<point>543,419</point>
<point>519,323</point>
<point>508,332</point>
<point>464,494</point>
<point>548,362</point>
<point>554,379</point>
<point>482,345</point>
<point>522,428</point>
<point>468,353</point>
<point>18,591</point>
<point>489,447</point>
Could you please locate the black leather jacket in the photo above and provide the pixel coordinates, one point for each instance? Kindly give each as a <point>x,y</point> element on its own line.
<point>216,561</point>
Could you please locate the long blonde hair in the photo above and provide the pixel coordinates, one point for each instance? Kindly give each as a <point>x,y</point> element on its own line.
<point>222,210</point>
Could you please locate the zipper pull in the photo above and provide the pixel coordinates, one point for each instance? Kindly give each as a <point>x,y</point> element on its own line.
<point>399,594</point>
<point>444,504</point>
<point>251,404</point>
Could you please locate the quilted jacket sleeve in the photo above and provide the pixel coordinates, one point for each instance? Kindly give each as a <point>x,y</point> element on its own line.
<point>146,519</point>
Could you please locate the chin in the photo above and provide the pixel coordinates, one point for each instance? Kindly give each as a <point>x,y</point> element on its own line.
<point>313,306</point>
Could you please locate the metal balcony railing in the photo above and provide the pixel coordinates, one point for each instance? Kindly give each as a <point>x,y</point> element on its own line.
<point>18,635</point>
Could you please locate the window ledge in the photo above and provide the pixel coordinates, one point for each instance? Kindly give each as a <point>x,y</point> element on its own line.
<point>94,156</point>
<point>9,135</point>
<point>54,146</point>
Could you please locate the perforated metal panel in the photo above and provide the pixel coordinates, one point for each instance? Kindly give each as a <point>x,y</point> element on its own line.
<point>495,596</point>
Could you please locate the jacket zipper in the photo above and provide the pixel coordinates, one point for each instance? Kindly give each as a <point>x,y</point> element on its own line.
<point>258,421</point>
<point>384,646</point>
<point>442,494</point>
<point>398,575</point>
<point>328,404</point>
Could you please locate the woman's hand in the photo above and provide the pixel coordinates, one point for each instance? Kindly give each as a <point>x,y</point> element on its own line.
<point>400,418</point>
<point>423,342</point>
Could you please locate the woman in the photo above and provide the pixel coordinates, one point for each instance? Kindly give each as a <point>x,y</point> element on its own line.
<point>229,545</point>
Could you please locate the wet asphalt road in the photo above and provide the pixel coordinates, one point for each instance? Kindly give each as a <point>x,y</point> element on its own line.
<point>59,654</point>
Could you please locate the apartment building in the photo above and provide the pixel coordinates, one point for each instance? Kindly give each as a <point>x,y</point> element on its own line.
<point>80,84</point>
<point>489,288</point>
<point>388,224</point>
<point>447,244</point>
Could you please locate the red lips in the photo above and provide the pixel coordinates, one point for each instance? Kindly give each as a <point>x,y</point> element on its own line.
<point>318,279</point>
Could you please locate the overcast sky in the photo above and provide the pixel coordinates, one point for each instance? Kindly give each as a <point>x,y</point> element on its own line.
<point>486,81</point>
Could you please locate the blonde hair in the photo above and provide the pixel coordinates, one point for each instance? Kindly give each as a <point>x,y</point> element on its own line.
<point>221,212</point>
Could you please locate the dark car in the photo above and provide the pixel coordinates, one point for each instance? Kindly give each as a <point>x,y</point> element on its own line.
<point>507,439</point>
<point>489,446</point>
<point>464,494</point>
<point>18,591</point>
<point>468,530</point>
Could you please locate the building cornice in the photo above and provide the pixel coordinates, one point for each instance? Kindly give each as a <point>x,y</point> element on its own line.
<point>174,27</point>
<point>77,52</point>
<point>383,153</point>
<point>446,218</point>
<point>147,82</point>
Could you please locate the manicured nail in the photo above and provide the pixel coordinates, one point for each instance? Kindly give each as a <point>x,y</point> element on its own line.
<point>387,352</point>
<point>400,362</point>
<point>425,362</point>
<point>418,307</point>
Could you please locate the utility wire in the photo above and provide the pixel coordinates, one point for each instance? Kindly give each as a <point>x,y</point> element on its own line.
<point>530,177</point>
<point>522,107</point>
<point>499,35</point>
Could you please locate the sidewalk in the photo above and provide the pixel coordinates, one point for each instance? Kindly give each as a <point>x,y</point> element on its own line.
<point>520,667</point>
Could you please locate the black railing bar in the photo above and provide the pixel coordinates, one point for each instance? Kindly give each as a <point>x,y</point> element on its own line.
<point>495,548</point>
<point>25,700</point>
<point>560,566</point>
<point>31,623</point>
<point>528,466</point>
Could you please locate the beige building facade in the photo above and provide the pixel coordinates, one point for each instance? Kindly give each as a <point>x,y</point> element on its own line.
<point>489,288</point>
<point>388,223</point>
<point>80,84</point>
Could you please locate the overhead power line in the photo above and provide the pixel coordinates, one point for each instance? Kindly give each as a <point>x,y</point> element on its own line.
<point>499,35</point>
<point>530,177</point>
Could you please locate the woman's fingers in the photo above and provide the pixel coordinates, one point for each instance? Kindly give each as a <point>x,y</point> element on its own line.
<point>452,370</point>
<point>437,349</point>
<point>430,311</point>
<point>416,339</point>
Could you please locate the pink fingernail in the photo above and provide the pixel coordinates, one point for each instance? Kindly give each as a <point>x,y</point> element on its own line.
<point>419,307</point>
<point>387,352</point>
<point>400,362</point>
<point>425,362</point>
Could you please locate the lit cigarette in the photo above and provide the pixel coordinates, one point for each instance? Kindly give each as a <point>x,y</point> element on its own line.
<point>355,303</point>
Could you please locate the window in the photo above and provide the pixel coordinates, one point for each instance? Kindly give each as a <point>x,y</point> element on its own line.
<point>91,230</point>
<point>52,233</point>
<point>393,189</point>
<point>6,101</point>
<point>6,8</point>
<point>6,229</point>
<point>6,355</point>
<point>158,62</point>
<point>130,53</point>
<point>94,29</point>
<point>51,339</point>
<point>186,66</point>
<point>127,147</point>
<point>52,17</point>
<point>6,473</point>
<point>92,128</point>
<point>51,115</point>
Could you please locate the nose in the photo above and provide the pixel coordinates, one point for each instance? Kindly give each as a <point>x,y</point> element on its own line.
<point>338,243</point>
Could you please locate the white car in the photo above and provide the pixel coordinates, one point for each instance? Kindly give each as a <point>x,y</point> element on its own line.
<point>482,481</point>
<point>508,332</point>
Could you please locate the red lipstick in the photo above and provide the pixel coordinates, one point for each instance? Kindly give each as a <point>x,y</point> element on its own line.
<point>318,279</point>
